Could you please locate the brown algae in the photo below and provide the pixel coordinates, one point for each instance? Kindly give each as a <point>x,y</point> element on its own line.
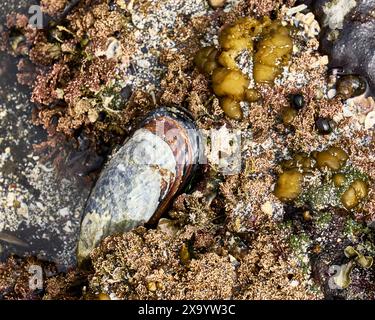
<point>271,46</point>
<point>289,185</point>
<point>340,186</point>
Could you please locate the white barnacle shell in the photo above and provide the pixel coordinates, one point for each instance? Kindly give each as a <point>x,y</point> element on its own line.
<point>141,179</point>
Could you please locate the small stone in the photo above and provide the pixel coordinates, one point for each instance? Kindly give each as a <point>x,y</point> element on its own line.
<point>144,64</point>
<point>267,208</point>
<point>167,226</point>
<point>297,101</point>
<point>23,211</point>
<point>294,283</point>
<point>126,92</point>
<point>152,286</point>
<point>331,94</point>
<point>217,3</point>
<point>324,125</point>
<point>92,115</point>
<point>370,120</point>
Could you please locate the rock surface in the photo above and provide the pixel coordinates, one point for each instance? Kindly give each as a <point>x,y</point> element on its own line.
<point>37,207</point>
<point>347,35</point>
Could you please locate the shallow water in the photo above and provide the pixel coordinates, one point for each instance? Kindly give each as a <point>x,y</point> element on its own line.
<point>36,207</point>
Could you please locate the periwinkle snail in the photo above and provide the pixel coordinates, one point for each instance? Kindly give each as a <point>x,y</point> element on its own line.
<point>141,179</point>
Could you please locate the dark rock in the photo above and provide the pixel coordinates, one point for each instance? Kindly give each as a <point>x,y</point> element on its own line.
<point>350,44</point>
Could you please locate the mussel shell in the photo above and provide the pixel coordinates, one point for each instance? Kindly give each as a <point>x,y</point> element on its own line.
<point>139,182</point>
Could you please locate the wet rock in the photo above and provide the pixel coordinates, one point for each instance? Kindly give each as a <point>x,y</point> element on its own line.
<point>347,35</point>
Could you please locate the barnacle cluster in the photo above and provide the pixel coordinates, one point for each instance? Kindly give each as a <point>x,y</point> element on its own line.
<point>340,184</point>
<point>269,42</point>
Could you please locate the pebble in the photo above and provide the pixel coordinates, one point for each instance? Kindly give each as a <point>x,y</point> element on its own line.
<point>267,208</point>
<point>331,93</point>
<point>126,92</point>
<point>144,64</point>
<point>217,3</point>
<point>23,211</point>
<point>297,101</point>
<point>324,125</point>
<point>294,283</point>
<point>370,120</point>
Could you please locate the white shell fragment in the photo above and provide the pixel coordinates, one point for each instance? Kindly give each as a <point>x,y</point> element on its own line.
<point>370,120</point>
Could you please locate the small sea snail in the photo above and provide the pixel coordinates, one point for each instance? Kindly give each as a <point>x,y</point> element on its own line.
<point>297,101</point>
<point>350,86</point>
<point>141,179</point>
<point>324,125</point>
